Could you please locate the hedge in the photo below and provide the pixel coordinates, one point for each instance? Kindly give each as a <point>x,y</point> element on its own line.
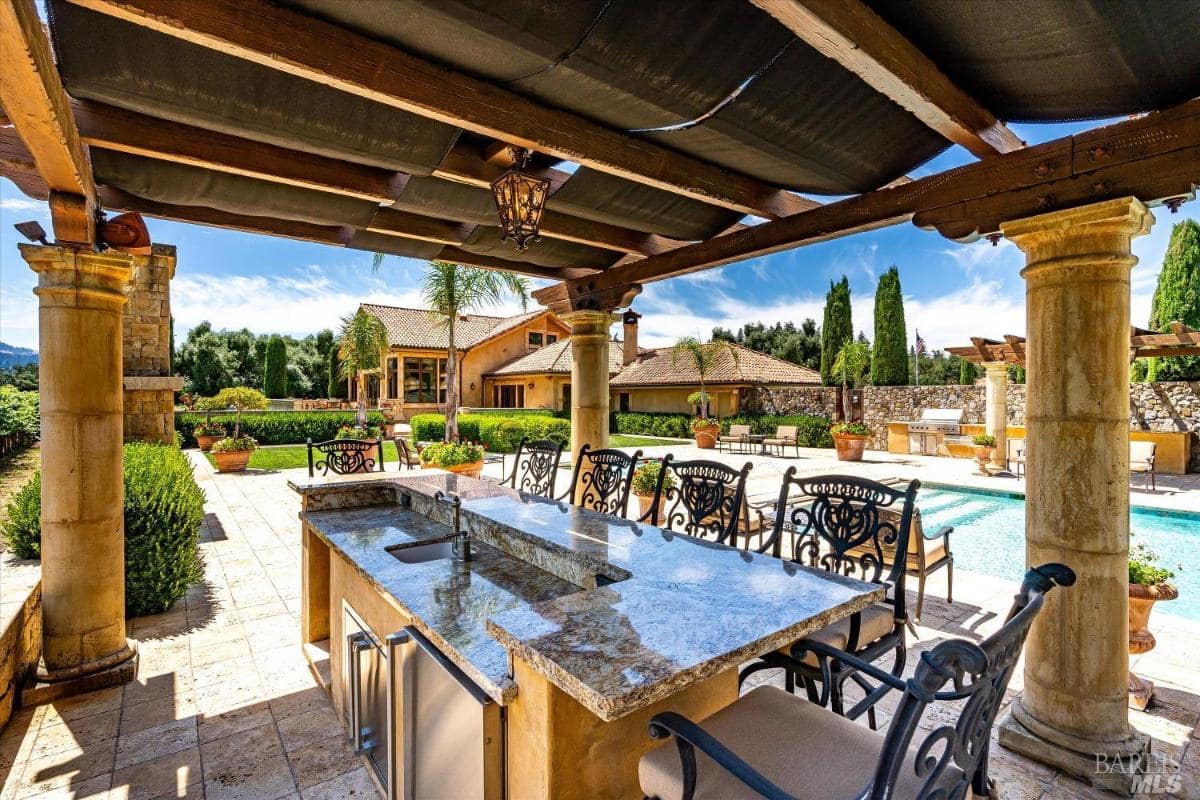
<point>498,433</point>
<point>278,427</point>
<point>163,511</point>
<point>812,431</point>
<point>676,426</point>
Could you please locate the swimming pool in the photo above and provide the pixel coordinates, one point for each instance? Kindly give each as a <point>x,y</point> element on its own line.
<point>989,538</point>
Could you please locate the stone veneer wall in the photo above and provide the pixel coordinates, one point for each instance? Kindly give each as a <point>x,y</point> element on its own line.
<point>821,400</point>
<point>1168,406</point>
<point>20,634</point>
<point>146,343</point>
<point>884,404</point>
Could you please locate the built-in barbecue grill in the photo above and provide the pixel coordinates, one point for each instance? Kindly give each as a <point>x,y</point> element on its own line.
<point>927,434</point>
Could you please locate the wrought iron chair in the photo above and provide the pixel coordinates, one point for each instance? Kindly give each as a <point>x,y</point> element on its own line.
<point>845,525</point>
<point>707,500</point>
<point>409,458</point>
<point>536,467</point>
<point>344,456</point>
<point>601,480</point>
<point>812,753</point>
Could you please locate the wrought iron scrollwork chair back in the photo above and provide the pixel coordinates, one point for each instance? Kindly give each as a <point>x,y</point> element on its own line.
<point>535,469</point>
<point>601,480</point>
<point>939,765</point>
<point>707,500</point>
<point>845,525</point>
<point>344,456</point>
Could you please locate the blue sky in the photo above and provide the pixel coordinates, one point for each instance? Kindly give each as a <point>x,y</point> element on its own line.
<point>270,285</point>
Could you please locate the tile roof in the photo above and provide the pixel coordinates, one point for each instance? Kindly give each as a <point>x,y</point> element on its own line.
<point>656,368</point>
<point>416,327</point>
<point>555,359</point>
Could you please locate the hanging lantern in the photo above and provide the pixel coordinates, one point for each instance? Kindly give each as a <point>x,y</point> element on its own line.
<point>520,199</point>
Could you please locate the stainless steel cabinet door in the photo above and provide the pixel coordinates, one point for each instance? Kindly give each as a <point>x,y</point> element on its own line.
<point>366,690</point>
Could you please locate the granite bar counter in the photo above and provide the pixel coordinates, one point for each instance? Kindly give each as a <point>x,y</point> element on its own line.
<point>572,620</point>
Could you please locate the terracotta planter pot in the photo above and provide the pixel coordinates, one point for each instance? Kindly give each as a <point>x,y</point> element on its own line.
<point>706,437</point>
<point>983,455</point>
<point>206,442</point>
<point>644,503</point>
<point>849,446</point>
<point>471,470</point>
<point>232,462</point>
<point>1141,640</point>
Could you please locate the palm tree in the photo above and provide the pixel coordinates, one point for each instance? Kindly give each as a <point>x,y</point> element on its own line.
<point>703,356</point>
<point>451,290</point>
<point>363,341</point>
<point>851,364</point>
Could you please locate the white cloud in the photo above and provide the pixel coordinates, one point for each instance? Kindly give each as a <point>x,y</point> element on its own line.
<point>983,257</point>
<point>21,204</point>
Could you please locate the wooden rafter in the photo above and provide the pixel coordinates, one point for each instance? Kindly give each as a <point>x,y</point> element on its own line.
<point>857,38</point>
<point>1152,157</point>
<point>305,46</point>
<point>33,100</point>
<point>1143,343</point>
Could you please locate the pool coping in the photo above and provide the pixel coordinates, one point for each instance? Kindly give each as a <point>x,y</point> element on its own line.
<point>1020,495</point>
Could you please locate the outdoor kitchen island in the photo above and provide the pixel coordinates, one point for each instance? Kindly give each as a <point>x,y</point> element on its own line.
<point>530,670</point>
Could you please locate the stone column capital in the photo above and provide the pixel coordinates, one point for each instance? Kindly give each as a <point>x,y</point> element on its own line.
<point>79,278</point>
<point>1076,237</point>
<point>995,369</point>
<point>589,323</point>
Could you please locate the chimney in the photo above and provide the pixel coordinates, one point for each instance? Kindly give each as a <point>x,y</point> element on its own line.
<point>630,318</point>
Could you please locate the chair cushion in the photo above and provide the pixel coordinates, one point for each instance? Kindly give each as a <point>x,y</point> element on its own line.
<point>877,621</point>
<point>806,750</point>
<point>785,440</point>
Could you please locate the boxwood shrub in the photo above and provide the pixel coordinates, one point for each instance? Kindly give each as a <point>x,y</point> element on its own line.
<point>499,433</point>
<point>278,427</point>
<point>676,426</point>
<point>163,511</point>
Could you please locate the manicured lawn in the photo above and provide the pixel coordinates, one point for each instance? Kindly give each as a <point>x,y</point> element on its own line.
<point>625,440</point>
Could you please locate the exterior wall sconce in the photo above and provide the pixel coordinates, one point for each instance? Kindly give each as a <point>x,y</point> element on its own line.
<point>520,200</point>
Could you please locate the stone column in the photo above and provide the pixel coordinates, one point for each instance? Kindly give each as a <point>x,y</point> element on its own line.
<point>146,343</point>
<point>1073,711</point>
<point>589,377</point>
<point>996,409</point>
<point>81,297</point>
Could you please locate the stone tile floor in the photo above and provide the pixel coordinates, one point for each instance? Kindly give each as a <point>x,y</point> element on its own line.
<point>225,706</point>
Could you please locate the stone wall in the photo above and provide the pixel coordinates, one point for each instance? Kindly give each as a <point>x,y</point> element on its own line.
<point>884,404</point>
<point>819,400</point>
<point>1168,406</point>
<point>20,630</point>
<point>146,346</point>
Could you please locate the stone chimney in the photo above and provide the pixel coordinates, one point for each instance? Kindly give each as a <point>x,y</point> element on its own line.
<point>149,403</point>
<point>630,319</point>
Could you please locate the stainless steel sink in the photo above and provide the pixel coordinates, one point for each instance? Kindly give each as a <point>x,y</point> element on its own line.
<point>420,552</point>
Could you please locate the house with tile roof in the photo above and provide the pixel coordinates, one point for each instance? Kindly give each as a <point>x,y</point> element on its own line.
<point>411,379</point>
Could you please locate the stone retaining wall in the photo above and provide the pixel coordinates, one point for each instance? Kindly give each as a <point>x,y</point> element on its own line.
<point>819,400</point>
<point>20,630</point>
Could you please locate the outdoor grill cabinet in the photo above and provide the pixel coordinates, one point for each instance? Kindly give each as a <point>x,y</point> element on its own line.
<point>425,729</point>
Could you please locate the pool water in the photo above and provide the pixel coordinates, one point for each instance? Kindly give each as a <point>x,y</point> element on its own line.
<point>989,538</point>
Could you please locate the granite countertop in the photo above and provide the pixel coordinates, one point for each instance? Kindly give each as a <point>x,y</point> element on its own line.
<point>631,614</point>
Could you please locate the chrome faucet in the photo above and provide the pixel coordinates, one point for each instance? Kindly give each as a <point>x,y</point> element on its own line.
<point>462,538</point>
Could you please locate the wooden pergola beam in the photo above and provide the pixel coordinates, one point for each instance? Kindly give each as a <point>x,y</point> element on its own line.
<point>33,100</point>
<point>857,38</point>
<point>310,48</point>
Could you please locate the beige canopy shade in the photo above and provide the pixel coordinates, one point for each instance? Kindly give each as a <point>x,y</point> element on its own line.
<point>1143,343</point>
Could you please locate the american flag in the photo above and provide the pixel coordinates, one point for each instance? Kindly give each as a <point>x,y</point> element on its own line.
<point>920,343</point>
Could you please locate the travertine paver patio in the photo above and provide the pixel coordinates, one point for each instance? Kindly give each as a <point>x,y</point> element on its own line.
<point>225,705</point>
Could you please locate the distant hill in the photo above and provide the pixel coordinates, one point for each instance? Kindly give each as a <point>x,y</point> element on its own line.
<point>13,356</point>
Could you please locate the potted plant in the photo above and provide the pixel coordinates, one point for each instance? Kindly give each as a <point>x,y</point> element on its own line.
<point>232,453</point>
<point>369,433</point>
<point>390,419</point>
<point>645,481</point>
<point>984,445</point>
<point>703,357</point>
<point>208,431</point>
<point>461,458</point>
<point>850,367</point>
<point>850,438</point>
<point>1149,582</point>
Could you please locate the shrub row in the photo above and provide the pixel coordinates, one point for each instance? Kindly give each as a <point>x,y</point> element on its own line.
<point>812,431</point>
<point>20,424</point>
<point>499,434</point>
<point>163,511</point>
<point>278,427</point>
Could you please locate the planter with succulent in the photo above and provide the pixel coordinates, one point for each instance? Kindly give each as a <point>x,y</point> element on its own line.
<point>232,453</point>
<point>984,445</point>
<point>369,433</point>
<point>850,438</point>
<point>645,481</point>
<point>1149,582</point>
<point>460,458</point>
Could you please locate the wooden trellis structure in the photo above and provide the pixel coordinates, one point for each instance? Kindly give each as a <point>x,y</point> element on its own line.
<point>1143,343</point>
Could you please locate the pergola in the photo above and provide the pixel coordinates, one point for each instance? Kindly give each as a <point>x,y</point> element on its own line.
<point>675,138</point>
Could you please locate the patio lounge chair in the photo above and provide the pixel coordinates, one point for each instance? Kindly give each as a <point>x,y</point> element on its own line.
<point>344,456</point>
<point>785,436</point>
<point>738,434</point>
<point>1141,460</point>
<point>1014,459</point>
<point>770,743</point>
<point>409,459</point>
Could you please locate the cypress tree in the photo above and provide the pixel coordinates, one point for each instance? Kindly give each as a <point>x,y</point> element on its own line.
<point>1177,298</point>
<point>275,371</point>
<point>837,328</point>
<point>967,373</point>
<point>889,356</point>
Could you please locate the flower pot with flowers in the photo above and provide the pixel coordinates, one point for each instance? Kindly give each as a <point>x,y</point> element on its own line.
<point>461,458</point>
<point>850,438</point>
<point>370,433</point>
<point>232,453</point>
<point>984,446</point>
<point>1149,582</point>
<point>208,431</point>
<point>645,482</point>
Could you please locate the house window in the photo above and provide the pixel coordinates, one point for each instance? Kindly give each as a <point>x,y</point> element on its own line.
<point>535,340</point>
<point>566,404</point>
<point>551,338</point>
<point>393,378</point>
<point>623,402</point>
<point>510,396</point>
<point>442,381</point>
<point>419,379</point>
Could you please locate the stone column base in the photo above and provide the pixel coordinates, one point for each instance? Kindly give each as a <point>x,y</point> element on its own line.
<point>46,686</point>
<point>1108,765</point>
